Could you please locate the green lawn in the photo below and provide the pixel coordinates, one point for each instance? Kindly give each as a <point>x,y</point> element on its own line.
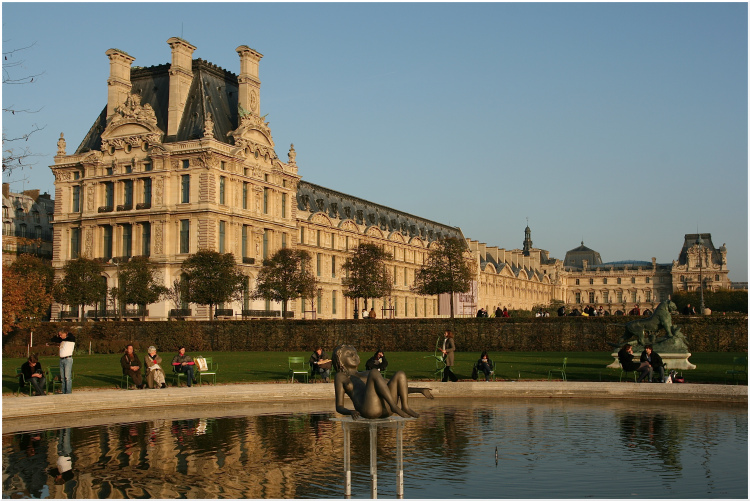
<point>103,371</point>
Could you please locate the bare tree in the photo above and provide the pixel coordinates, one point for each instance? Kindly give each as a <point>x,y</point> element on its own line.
<point>16,153</point>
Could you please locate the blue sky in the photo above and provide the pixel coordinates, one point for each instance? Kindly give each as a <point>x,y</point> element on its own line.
<point>622,125</point>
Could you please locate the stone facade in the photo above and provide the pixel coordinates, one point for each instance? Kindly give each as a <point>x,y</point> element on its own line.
<point>27,224</point>
<point>182,159</point>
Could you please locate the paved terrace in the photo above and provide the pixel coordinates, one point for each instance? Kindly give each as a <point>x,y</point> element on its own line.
<point>102,406</point>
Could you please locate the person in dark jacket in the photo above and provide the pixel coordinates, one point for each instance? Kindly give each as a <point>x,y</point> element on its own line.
<point>33,374</point>
<point>625,356</point>
<point>377,361</point>
<point>131,366</point>
<point>655,361</point>
<point>484,364</point>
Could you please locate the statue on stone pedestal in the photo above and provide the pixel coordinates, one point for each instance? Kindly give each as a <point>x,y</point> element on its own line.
<point>373,397</point>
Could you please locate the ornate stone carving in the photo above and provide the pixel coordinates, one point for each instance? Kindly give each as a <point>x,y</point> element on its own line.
<point>158,238</point>
<point>159,191</point>
<point>131,112</point>
<point>292,155</point>
<point>208,127</point>
<point>61,146</point>
<point>320,204</point>
<point>90,197</point>
<point>89,243</point>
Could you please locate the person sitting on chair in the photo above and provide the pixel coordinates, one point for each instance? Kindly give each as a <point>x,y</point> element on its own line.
<point>377,362</point>
<point>31,372</point>
<point>655,361</point>
<point>625,356</point>
<point>184,363</point>
<point>154,373</point>
<point>320,364</point>
<point>484,364</point>
<point>131,366</point>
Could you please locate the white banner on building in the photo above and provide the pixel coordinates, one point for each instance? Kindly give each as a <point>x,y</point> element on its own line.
<point>464,304</point>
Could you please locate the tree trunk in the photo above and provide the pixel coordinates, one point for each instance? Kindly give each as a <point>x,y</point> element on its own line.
<point>451,304</point>
<point>283,310</point>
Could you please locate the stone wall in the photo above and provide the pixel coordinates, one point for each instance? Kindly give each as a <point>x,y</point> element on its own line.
<point>711,334</point>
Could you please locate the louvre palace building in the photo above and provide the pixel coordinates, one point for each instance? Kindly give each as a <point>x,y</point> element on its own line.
<point>181,159</point>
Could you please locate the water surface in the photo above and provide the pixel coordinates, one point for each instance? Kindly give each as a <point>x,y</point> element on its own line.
<point>552,448</point>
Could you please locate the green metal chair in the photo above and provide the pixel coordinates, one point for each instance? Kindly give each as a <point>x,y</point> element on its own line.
<point>22,381</point>
<point>213,368</point>
<point>561,370</point>
<point>623,372</point>
<point>125,381</point>
<point>738,370</point>
<point>177,375</point>
<point>54,378</point>
<point>298,366</point>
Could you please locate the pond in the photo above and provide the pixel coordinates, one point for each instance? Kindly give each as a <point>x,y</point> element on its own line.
<point>553,448</point>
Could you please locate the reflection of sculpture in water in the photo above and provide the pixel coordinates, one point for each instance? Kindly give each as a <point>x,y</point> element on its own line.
<point>373,397</point>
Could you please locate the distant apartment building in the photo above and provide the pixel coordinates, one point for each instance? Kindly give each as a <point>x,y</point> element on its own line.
<point>27,224</point>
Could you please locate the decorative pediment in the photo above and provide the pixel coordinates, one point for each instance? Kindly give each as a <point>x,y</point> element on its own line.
<point>131,125</point>
<point>348,225</point>
<point>417,242</point>
<point>320,218</point>
<point>252,129</point>
<point>374,231</point>
<point>396,237</point>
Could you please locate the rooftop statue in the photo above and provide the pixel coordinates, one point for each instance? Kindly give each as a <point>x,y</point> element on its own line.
<point>373,396</point>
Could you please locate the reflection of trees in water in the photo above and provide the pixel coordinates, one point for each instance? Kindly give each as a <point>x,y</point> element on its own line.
<point>654,432</point>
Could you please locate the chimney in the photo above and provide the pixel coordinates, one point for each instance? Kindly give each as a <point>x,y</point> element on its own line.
<point>249,83</point>
<point>119,79</point>
<point>180,78</point>
<point>32,194</point>
<point>6,189</point>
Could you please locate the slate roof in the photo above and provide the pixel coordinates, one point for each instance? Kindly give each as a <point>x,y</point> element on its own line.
<point>213,90</point>
<point>690,239</point>
<point>315,198</point>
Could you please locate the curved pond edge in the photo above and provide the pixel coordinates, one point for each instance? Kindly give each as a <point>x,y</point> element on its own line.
<point>92,407</point>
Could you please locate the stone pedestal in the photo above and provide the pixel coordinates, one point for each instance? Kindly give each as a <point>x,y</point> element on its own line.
<point>673,361</point>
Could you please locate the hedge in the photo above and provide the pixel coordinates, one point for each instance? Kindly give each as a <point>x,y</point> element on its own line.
<point>556,334</point>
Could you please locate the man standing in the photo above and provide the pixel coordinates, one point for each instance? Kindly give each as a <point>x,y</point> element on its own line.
<point>184,363</point>
<point>131,366</point>
<point>67,342</point>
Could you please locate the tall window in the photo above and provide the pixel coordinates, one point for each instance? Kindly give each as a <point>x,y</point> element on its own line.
<point>222,234</point>
<point>36,216</point>
<point>147,191</point>
<point>186,164</point>
<point>648,280</point>
<point>578,297</point>
<point>75,242</point>
<point>302,234</point>
<point>76,199</point>
<point>109,194</point>
<point>185,198</point>
<point>265,200</point>
<point>145,239</point>
<point>604,281</point>
<point>333,266</point>
<point>347,244</point>
<point>265,244</point>
<point>605,296</point>
<point>619,296</point>
<point>648,296</point>
<point>107,247</point>
<point>128,193</point>
<point>283,240</point>
<point>244,242</point>
<point>184,236</point>
<point>591,297</point>
<point>333,302</point>
<point>22,231</point>
<point>633,296</point>
<point>246,294</point>
<point>222,186</point>
<point>127,240</point>
<point>320,301</point>
<point>318,238</point>
<point>283,205</point>
<point>244,195</point>
<point>319,262</point>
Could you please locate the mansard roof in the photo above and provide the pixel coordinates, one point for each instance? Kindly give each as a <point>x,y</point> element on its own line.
<point>575,257</point>
<point>314,198</point>
<point>213,90</point>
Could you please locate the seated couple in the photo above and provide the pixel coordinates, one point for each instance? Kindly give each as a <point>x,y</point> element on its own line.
<point>131,366</point>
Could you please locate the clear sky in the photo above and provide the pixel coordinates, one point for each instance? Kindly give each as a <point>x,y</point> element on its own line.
<point>622,125</point>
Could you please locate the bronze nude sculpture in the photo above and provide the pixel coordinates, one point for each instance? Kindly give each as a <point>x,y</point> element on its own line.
<point>373,397</point>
